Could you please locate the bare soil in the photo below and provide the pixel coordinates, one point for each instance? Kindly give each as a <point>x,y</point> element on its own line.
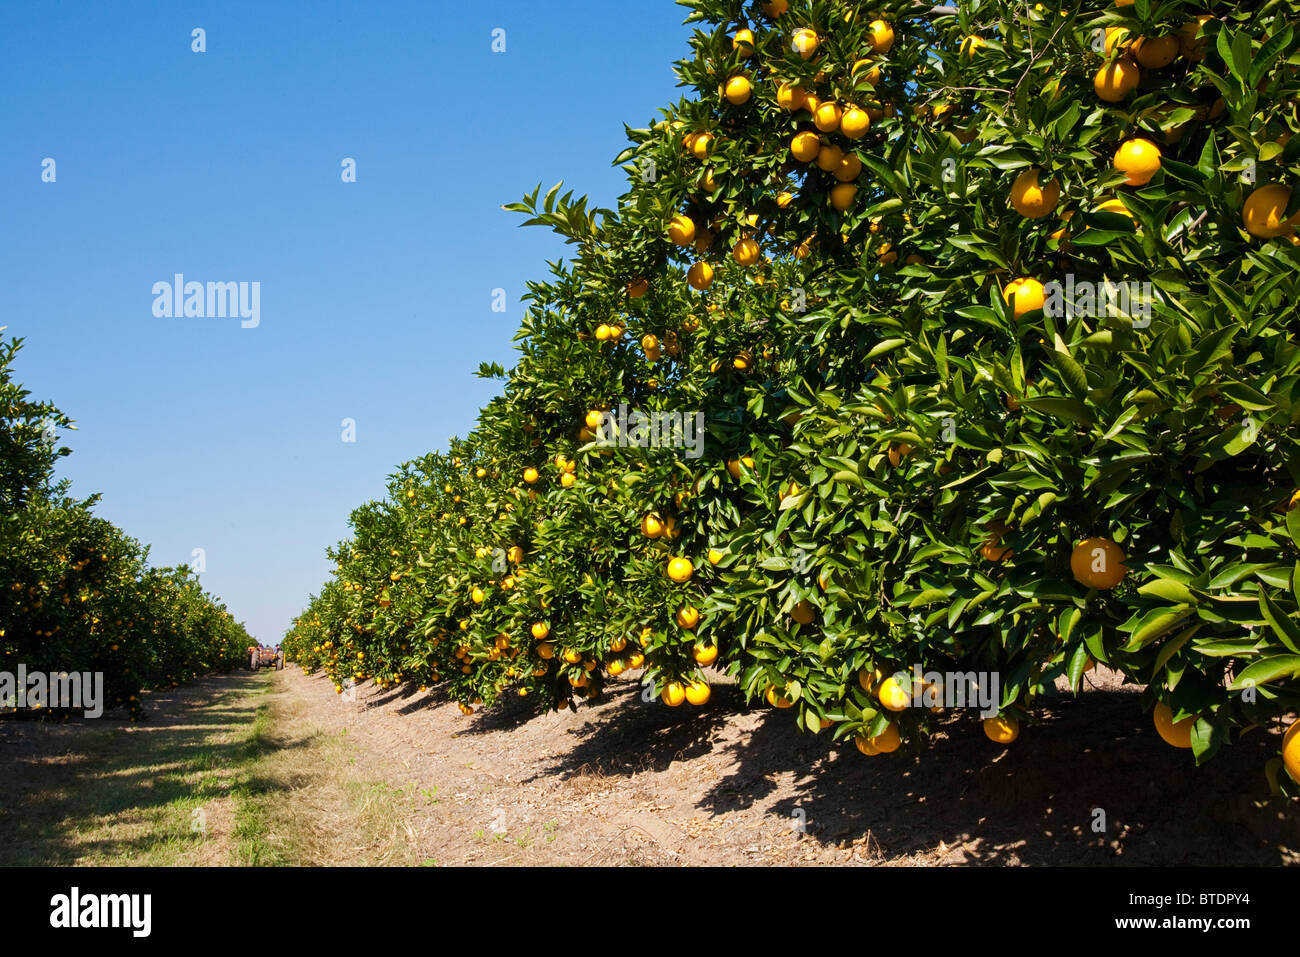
<point>402,777</point>
<point>630,782</point>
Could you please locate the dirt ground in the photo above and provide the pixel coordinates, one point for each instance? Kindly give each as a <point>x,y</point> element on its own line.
<point>629,782</point>
<point>402,777</point>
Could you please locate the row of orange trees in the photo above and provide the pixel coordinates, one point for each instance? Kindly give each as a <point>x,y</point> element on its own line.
<point>76,593</point>
<point>849,250</point>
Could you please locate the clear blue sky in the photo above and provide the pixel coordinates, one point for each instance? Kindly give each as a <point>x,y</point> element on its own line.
<point>375,295</point>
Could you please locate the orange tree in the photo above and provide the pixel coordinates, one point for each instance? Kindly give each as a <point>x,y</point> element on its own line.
<point>76,594</point>
<point>988,311</point>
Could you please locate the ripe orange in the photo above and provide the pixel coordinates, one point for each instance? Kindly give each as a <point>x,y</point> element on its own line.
<point>1156,52</point>
<point>854,123</point>
<point>971,45</point>
<point>805,42</point>
<point>688,617</point>
<point>743,41</point>
<point>887,741</point>
<point>1002,730</point>
<point>774,8</point>
<point>546,650</point>
<point>805,146</point>
<point>476,595</point>
<point>733,466</point>
<point>680,570</point>
<point>737,90</point>
<point>673,694</point>
<point>568,480</point>
<point>865,745</point>
<point>702,145</point>
<point>899,452</point>
<point>776,700</point>
<point>881,36</point>
<point>803,612</point>
<point>849,169</point>
<point>1098,563</point>
<point>1117,79</point>
<point>682,230</point>
<point>842,196</point>
<point>1178,735</point>
<point>1263,211</point>
<point>1028,295</point>
<point>1138,159</point>
<point>827,117</point>
<point>530,475</point>
<point>705,655</point>
<point>745,252</point>
<point>1291,751</point>
<point>1030,198</point>
<point>892,695</point>
<point>652,526</point>
<point>829,157</point>
<point>700,276</point>
<point>697,692</point>
<point>540,630</point>
<point>791,97</point>
<point>715,556</point>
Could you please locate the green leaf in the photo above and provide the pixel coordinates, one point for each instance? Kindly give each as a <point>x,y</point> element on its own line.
<point>1266,670</point>
<point>1285,627</point>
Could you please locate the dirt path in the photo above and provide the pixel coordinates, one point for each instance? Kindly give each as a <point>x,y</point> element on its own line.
<point>630,782</point>
<point>281,770</point>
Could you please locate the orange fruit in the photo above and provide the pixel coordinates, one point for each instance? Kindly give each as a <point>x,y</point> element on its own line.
<point>1098,563</point>
<point>697,692</point>
<point>737,90</point>
<point>705,655</point>
<point>842,196</point>
<point>1138,159</point>
<point>791,97</point>
<point>827,117</point>
<point>540,630</point>
<point>638,288</point>
<point>652,526</point>
<point>1263,211</point>
<point>865,745</point>
<point>546,650</point>
<point>1178,735</point>
<point>849,169</point>
<point>673,694</point>
<point>688,617</point>
<point>745,252</point>
<point>854,123</point>
<point>1291,751</point>
<point>829,157</point>
<point>803,612</point>
<point>743,41</point>
<point>971,45</point>
<point>805,42</point>
<point>1001,730</point>
<point>1117,79</point>
<point>899,452</point>
<point>880,36</point>
<point>700,276</point>
<point>1028,295</point>
<point>1032,199</point>
<point>1156,52</point>
<point>892,695</point>
<point>805,146</point>
<point>680,570</point>
<point>774,8</point>
<point>530,475</point>
<point>776,700</point>
<point>887,741</point>
<point>682,230</point>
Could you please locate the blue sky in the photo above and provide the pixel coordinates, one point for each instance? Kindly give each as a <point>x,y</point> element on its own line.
<point>375,295</point>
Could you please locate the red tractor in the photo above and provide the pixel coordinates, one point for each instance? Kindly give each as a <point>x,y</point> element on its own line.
<point>264,656</point>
